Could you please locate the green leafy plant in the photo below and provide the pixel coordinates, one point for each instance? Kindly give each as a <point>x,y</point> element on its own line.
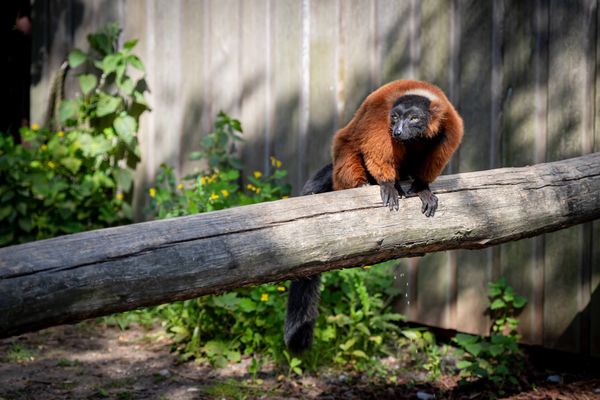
<point>497,358</point>
<point>218,186</point>
<point>80,177</point>
<point>355,324</point>
<point>423,350</point>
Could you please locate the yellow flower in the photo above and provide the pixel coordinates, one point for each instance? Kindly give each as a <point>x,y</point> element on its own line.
<point>51,164</point>
<point>367,267</point>
<point>152,192</point>
<point>44,147</point>
<point>257,190</point>
<point>264,297</point>
<point>285,197</point>
<point>281,288</point>
<point>61,134</point>
<point>214,196</point>
<point>180,186</point>
<point>257,174</point>
<point>119,196</point>
<point>203,180</point>
<point>275,162</point>
<point>225,193</point>
<point>35,126</point>
<point>251,187</point>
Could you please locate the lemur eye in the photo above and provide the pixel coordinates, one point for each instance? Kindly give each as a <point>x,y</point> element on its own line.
<point>414,120</point>
<point>394,118</point>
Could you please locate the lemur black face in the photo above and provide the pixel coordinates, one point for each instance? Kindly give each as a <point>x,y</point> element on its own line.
<point>409,117</point>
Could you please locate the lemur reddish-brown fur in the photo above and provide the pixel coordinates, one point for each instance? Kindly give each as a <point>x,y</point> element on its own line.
<point>365,148</point>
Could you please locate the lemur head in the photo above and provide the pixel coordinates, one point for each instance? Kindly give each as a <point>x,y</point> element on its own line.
<point>410,117</point>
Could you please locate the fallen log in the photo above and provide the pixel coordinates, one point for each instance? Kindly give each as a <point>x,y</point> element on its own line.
<point>71,278</point>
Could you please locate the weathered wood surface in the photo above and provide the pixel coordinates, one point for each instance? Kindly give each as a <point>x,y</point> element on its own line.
<point>79,276</point>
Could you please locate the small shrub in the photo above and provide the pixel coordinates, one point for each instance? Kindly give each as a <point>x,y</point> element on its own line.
<point>497,358</point>
<point>80,177</point>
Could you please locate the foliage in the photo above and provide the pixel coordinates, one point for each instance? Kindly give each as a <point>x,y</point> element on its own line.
<point>218,186</point>
<point>220,329</point>
<point>497,358</point>
<point>78,178</point>
<point>424,351</point>
<point>355,323</point>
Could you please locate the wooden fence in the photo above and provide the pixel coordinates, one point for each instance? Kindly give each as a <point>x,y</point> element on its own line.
<point>522,73</point>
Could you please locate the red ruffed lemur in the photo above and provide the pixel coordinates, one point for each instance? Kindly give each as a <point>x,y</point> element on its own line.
<point>404,129</point>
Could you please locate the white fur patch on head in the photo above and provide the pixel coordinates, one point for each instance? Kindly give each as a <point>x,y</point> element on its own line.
<point>422,92</point>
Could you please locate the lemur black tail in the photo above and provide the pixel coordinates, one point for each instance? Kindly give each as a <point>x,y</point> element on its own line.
<point>304,296</point>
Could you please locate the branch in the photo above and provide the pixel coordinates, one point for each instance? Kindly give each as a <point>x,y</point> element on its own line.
<point>71,278</point>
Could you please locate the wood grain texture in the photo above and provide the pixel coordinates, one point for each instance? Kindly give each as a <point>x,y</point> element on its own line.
<point>79,276</point>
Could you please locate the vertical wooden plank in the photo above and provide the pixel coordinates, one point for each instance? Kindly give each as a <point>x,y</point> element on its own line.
<point>435,43</point>
<point>286,61</point>
<point>165,79</point>
<point>255,48</point>
<point>541,70</point>
<point>587,145</point>
<point>517,109</point>
<point>225,61</point>
<point>565,131</point>
<point>194,124</point>
<point>357,63</point>
<point>135,28</point>
<point>40,37</point>
<point>51,43</point>
<point>454,44</point>
<point>475,105</point>
<point>323,75</point>
<point>595,278</point>
<point>393,38</point>
<point>305,78</point>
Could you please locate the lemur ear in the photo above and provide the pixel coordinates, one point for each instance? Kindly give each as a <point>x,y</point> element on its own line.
<point>435,108</point>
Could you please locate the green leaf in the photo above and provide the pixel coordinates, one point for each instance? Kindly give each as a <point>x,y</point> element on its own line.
<point>87,83</point>
<point>5,212</point>
<point>139,98</point>
<point>519,302</point>
<point>130,44</point>
<point>123,177</point>
<point>71,163</point>
<point>135,62</point>
<point>247,305</point>
<point>474,348</point>
<point>463,364</point>
<point>110,63</point>
<point>498,303</point>
<point>127,85</point>
<point>69,110</point>
<point>107,105</point>
<point>349,343</point>
<point>359,353</point>
<point>228,300</point>
<point>125,126</point>
<point>496,349</point>
<point>76,58</point>
<point>234,356</point>
<point>463,339</point>
<point>26,224</point>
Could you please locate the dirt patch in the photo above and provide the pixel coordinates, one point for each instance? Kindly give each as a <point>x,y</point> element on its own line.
<point>90,361</point>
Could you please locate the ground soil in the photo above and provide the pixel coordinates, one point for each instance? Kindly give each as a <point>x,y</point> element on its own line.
<point>93,361</point>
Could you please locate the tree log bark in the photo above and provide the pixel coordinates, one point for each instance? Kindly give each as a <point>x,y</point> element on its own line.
<point>71,278</point>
